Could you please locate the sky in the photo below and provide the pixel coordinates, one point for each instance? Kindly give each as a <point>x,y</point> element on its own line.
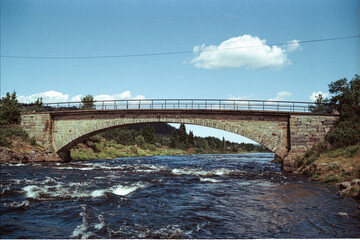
<point>255,49</point>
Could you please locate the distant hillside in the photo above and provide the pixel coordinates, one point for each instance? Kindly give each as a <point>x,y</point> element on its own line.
<point>160,128</point>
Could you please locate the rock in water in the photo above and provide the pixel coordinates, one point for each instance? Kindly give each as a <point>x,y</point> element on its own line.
<point>345,185</point>
<point>342,214</point>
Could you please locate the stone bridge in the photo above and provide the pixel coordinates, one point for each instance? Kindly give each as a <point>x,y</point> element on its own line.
<point>288,134</point>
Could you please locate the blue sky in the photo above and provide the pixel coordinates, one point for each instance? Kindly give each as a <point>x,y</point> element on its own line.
<point>82,28</point>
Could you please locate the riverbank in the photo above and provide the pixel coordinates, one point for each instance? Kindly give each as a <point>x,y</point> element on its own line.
<point>22,151</point>
<point>106,149</point>
<point>339,166</point>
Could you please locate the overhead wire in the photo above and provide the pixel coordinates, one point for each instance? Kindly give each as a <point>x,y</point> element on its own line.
<point>175,52</point>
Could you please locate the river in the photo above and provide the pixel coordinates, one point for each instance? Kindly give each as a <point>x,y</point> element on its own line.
<point>195,196</point>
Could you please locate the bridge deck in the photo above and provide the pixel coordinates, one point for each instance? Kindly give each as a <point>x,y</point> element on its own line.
<point>178,111</point>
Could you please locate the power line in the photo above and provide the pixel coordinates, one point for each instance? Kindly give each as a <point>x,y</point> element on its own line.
<point>173,53</point>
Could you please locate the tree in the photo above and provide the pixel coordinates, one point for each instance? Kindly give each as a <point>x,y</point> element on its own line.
<point>321,105</point>
<point>88,102</point>
<point>140,141</point>
<point>191,139</point>
<point>182,138</point>
<point>124,136</point>
<point>173,139</point>
<point>346,97</point>
<point>346,100</point>
<point>148,133</point>
<point>9,109</point>
<point>223,144</point>
<point>38,105</point>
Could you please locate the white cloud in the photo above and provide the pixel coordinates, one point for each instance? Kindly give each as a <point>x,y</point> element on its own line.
<point>315,94</point>
<point>243,51</point>
<point>77,98</point>
<point>54,96</point>
<point>121,96</point>
<point>292,46</point>
<point>281,96</point>
<point>139,97</point>
<point>231,97</point>
<point>48,96</point>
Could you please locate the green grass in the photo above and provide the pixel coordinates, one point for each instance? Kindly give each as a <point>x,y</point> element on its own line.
<point>343,164</point>
<point>103,150</point>
<point>331,179</point>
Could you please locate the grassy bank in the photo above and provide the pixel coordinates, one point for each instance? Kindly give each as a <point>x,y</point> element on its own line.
<point>331,166</point>
<point>109,149</point>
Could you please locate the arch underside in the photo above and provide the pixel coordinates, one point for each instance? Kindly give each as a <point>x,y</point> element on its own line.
<point>272,135</point>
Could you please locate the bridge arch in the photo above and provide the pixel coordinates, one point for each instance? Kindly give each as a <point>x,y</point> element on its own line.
<point>271,134</point>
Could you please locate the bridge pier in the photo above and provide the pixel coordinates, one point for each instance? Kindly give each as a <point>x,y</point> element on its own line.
<point>64,155</point>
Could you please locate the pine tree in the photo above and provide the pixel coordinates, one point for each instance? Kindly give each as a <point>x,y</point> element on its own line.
<point>223,144</point>
<point>148,133</point>
<point>9,109</point>
<point>182,138</point>
<point>173,139</point>
<point>191,139</point>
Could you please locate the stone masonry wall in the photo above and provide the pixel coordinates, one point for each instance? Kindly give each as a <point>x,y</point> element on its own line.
<point>39,127</point>
<point>305,132</point>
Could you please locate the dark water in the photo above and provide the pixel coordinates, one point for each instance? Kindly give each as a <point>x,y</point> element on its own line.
<point>201,196</point>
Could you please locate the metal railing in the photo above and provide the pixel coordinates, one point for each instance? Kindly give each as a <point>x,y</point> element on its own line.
<point>195,104</point>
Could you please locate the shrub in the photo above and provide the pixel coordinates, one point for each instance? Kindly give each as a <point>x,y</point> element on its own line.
<point>311,160</point>
<point>150,147</point>
<point>331,179</point>
<point>7,132</point>
<point>315,176</point>
<point>345,133</point>
<point>9,109</point>
<point>140,141</point>
<point>32,141</point>
<point>133,150</point>
<point>333,166</point>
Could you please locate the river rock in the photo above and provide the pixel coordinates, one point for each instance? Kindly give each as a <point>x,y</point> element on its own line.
<point>9,156</point>
<point>319,168</point>
<point>345,185</point>
<point>355,182</point>
<point>342,214</point>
